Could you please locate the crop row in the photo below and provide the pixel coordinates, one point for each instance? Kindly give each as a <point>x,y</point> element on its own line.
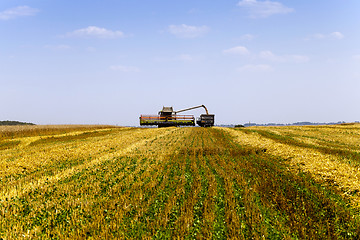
<point>174,183</point>
<point>337,167</point>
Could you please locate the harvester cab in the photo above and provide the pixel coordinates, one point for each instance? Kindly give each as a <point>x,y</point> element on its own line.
<point>166,112</point>
<point>167,117</point>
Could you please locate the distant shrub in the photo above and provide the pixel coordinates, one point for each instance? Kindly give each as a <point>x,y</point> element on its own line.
<point>13,123</point>
<point>239,126</point>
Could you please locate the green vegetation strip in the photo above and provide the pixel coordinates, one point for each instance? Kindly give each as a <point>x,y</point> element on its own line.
<point>219,231</point>
<point>195,230</point>
<point>137,223</point>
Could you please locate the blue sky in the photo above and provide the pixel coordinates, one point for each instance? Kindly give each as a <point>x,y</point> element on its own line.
<point>107,62</point>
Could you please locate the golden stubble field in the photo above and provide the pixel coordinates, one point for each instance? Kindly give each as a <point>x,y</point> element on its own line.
<point>104,182</point>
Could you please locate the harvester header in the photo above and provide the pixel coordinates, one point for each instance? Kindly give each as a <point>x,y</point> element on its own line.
<point>167,117</point>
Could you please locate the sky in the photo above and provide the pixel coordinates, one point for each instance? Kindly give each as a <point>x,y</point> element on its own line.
<point>108,61</point>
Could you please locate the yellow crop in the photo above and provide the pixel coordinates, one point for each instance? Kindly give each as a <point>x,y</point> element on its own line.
<point>104,182</point>
<point>337,170</point>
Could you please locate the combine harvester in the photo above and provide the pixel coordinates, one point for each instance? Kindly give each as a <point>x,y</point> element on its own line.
<point>167,117</point>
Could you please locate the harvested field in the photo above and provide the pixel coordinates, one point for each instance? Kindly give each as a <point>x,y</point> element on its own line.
<point>104,182</point>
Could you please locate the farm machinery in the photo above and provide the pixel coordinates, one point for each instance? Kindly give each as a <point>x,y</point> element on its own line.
<point>167,117</point>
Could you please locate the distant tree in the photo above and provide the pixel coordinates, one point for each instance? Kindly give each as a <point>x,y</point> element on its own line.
<point>239,126</point>
<point>13,123</point>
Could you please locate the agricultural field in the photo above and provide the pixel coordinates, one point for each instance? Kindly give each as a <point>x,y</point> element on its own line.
<point>104,182</point>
